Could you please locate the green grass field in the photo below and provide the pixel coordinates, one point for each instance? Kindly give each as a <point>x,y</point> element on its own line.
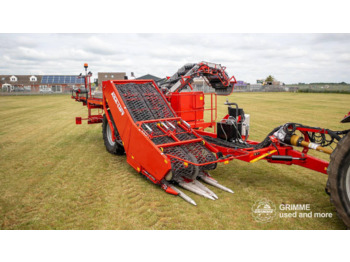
<point>57,175</point>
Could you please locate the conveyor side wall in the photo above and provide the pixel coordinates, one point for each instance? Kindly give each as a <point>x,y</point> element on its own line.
<point>141,153</point>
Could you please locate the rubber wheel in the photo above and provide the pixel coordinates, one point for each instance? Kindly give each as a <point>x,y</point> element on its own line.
<point>339,179</point>
<point>113,147</point>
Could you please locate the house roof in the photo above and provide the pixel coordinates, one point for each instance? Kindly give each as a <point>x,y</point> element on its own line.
<point>21,80</point>
<point>149,76</point>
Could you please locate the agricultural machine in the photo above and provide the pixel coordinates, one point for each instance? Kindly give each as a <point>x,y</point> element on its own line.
<point>161,129</point>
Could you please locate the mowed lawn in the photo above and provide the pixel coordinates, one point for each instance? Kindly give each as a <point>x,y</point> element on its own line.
<point>57,175</point>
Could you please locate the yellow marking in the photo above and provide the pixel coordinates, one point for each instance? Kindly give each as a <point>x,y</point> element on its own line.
<point>201,98</point>
<point>161,149</point>
<point>132,157</point>
<point>123,142</point>
<point>263,156</point>
<point>158,124</point>
<point>226,162</point>
<point>138,169</point>
<point>325,168</point>
<point>178,122</point>
<point>185,164</point>
<point>165,161</point>
<point>203,142</point>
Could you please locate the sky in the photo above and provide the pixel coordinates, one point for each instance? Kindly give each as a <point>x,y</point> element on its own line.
<point>290,58</point>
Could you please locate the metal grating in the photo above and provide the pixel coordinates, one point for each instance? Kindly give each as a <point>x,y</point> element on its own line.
<point>155,102</point>
<point>144,102</point>
<point>135,102</point>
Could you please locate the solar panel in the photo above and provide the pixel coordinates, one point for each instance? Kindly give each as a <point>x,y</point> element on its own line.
<point>44,80</point>
<point>50,80</point>
<point>64,79</point>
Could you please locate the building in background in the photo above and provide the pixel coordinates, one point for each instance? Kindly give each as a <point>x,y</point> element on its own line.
<point>66,83</point>
<point>20,83</point>
<point>40,83</point>
<point>61,83</point>
<point>104,76</point>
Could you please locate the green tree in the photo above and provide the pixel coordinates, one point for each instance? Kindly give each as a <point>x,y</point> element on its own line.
<point>270,78</point>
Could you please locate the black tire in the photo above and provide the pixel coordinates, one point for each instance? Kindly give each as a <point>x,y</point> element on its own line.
<point>115,147</point>
<point>339,179</point>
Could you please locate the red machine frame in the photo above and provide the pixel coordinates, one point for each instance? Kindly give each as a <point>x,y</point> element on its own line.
<point>157,171</point>
<point>150,153</point>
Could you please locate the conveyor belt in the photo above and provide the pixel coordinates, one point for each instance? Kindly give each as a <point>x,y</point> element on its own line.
<point>144,102</point>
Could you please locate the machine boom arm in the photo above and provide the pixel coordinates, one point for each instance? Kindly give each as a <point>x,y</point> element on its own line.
<point>214,74</point>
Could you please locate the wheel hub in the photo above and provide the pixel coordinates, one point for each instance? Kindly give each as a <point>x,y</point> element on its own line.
<point>109,136</point>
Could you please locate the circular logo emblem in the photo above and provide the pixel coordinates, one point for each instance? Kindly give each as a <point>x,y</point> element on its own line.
<point>264,210</point>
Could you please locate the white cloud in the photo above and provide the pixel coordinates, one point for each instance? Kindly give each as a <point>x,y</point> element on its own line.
<point>290,58</point>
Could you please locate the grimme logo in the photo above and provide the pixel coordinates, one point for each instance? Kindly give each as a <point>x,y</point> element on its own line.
<point>264,210</point>
<point>117,103</point>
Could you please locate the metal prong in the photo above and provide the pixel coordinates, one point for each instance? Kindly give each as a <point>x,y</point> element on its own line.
<point>149,129</point>
<point>170,124</point>
<point>186,124</point>
<point>164,125</point>
<point>207,179</point>
<point>204,188</point>
<point>183,195</point>
<point>207,175</point>
<point>191,186</point>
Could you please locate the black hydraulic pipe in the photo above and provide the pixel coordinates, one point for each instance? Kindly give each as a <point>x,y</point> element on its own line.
<point>284,158</point>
